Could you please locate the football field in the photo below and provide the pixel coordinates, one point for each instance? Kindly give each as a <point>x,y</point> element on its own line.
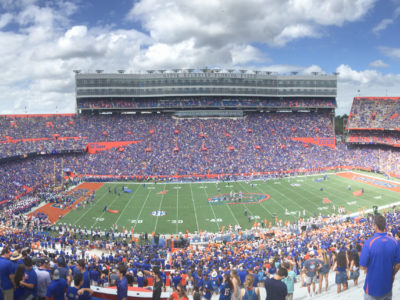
<point>177,207</point>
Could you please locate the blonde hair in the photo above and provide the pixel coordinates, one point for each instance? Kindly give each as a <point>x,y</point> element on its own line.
<point>248,281</point>
<point>325,257</point>
<point>235,275</point>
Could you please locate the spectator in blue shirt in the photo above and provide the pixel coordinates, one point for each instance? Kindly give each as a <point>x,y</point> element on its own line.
<point>380,258</point>
<point>86,279</point>
<point>226,288</point>
<point>29,284</point>
<point>275,288</point>
<point>57,287</point>
<point>122,283</point>
<point>207,287</point>
<point>75,292</point>
<point>6,274</point>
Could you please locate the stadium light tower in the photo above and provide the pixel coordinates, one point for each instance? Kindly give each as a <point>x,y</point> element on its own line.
<point>99,71</point>
<point>336,73</point>
<point>77,71</point>
<point>150,71</point>
<point>315,73</point>
<point>294,73</point>
<point>243,71</point>
<point>121,71</point>
<point>268,72</point>
<point>231,70</point>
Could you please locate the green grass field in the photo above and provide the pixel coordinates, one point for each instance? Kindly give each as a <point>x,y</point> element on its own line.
<point>187,207</point>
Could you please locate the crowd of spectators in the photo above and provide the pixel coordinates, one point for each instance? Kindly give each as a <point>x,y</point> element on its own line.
<point>304,252</point>
<point>374,137</point>
<point>374,121</point>
<point>260,142</point>
<point>205,102</point>
<point>375,113</point>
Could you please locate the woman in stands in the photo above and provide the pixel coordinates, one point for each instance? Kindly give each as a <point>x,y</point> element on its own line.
<point>354,266</point>
<point>340,266</point>
<point>226,288</point>
<point>179,293</point>
<point>19,276</point>
<point>324,270</point>
<point>249,292</point>
<point>236,284</point>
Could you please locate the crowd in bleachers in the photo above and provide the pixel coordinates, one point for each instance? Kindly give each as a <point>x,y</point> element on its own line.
<point>379,120</point>
<point>205,102</point>
<point>260,142</point>
<point>200,268</point>
<point>375,113</point>
<point>374,137</point>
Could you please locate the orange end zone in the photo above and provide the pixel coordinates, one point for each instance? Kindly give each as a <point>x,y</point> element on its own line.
<point>381,183</point>
<point>55,212</point>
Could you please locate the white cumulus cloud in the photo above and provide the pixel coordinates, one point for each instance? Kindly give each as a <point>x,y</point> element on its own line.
<point>220,22</point>
<point>378,64</point>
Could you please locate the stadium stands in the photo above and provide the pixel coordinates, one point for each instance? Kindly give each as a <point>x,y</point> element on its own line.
<point>374,121</point>
<point>375,113</point>
<point>162,145</point>
<point>206,102</point>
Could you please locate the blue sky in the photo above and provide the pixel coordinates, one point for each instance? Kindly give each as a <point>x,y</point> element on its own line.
<point>43,41</point>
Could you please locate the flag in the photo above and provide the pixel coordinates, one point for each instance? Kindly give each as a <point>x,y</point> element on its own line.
<point>358,193</point>
<point>326,201</point>
<point>113,211</point>
<point>163,192</point>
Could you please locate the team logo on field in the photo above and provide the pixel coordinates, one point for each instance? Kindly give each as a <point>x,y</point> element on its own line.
<point>158,213</point>
<point>58,205</point>
<point>247,198</point>
<point>381,183</point>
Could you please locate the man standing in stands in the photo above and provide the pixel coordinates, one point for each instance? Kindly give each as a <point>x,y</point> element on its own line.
<point>6,275</point>
<point>122,283</point>
<point>29,283</point>
<point>86,279</point>
<point>275,288</point>
<point>311,266</point>
<point>43,277</point>
<point>380,259</point>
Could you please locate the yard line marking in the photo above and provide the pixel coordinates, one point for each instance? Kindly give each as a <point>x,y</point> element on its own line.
<point>177,206</point>
<point>92,207</point>
<point>129,202</point>
<point>115,198</point>
<point>233,215</point>
<point>140,212</point>
<point>299,194</point>
<point>194,208</point>
<point>162,198</point>
<point>344,192</point>
<point>210,205</point>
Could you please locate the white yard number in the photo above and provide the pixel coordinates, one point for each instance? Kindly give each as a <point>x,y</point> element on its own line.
<point>216,220</point>
<point>136,221</point>
<point>99,219</point>
<point>176,221</point>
